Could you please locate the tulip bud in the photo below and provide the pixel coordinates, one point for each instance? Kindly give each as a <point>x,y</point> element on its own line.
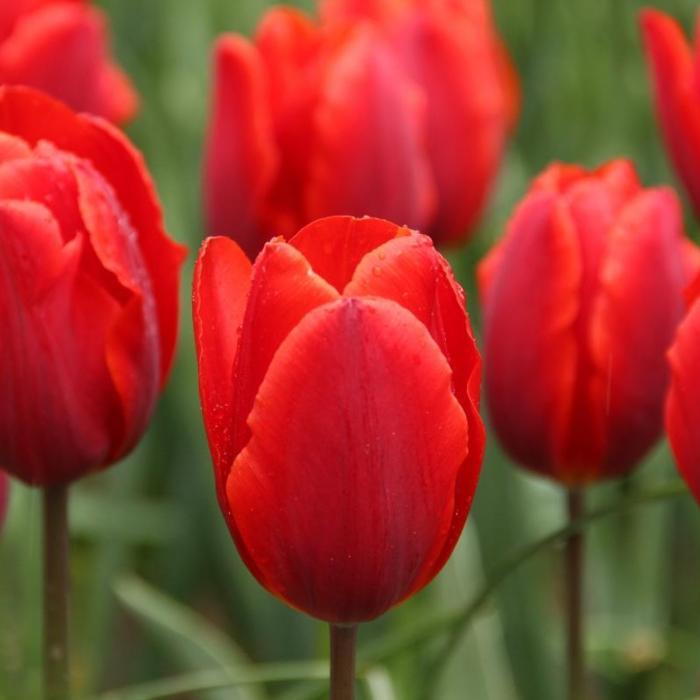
<point>402,117</point>
<point>339,381</point>
<point>581,300</point>
<point>61,47</point>
<point>89,300</point>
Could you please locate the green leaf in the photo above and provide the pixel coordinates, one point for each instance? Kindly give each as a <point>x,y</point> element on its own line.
<point>379,684</point>
<point>191,639</point>
<point>217,679</point>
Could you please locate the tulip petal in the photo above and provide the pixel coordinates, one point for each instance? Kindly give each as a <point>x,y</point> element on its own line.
<point>409,271</point>
<point>220,293</point>
<point>283,290</point>
<point>53,340</point>
<point>345,491</point>
<point>61,49</point>
<point>133,346</point>
<point>530,341</point>
<point>644,264</point>
<point>369,156</point>
<point>676,90</point>
<point>117,94</point>
<point>486,271</point>
<point>682,406</point>
<point>353,10</point>
<point>291,47</point>
<point>335,245</point>
<point>617,180</point>
<point>12,148</point>
<point>35,117</point>
<point>48,181</point>
<point>240,159</point>
<point>468,116</point>
<point>593,206</point>
<point>288,42</point>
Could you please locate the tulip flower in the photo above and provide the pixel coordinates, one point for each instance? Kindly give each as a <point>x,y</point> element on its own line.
<point>581,299</point>
<point>562,295</point>
<point>401,117</point>
<point>683,404</point>
<point>675,76</point>
<point>88,313</point>
<point>89,310</point>
<point>61,47</point>
<point>339,381</point>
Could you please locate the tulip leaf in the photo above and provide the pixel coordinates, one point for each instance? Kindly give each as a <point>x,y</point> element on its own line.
<point>217,679</point>
<point>191,638</point>
<point>379,684</point>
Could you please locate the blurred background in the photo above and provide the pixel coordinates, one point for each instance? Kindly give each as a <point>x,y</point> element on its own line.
<point>160,596</point>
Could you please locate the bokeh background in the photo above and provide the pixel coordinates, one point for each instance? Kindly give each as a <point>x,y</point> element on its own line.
<point>160,596</point>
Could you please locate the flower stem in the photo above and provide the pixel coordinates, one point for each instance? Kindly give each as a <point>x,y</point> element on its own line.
<point>56,585</point>
<point>343,646</point>
<point>574,600</point>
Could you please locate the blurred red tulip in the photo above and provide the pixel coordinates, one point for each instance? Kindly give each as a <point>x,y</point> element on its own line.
<point>340,383</point>
<point>675,73</point>
<point>581,300</point>
<point>61,47</point>
<point>683,403</point>
<point>402,116</point>
<point>89,280</point>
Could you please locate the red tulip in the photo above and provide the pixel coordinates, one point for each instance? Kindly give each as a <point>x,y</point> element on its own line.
<point>581,300</point>
<point>402,117</point>
<point>89,291</point>
<point>61,47</point>
<point>339,382</point>
<point>675,75</point>
<point>683,403</point>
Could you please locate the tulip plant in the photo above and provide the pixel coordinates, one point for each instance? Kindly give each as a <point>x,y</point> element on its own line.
<point>561,295</point>
<point>88,315</point>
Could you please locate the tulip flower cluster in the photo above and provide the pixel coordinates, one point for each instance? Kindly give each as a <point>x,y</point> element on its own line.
<point>339,377</point>
<point>397,110</point>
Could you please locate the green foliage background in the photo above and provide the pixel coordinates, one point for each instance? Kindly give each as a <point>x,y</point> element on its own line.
<point>159,590</point>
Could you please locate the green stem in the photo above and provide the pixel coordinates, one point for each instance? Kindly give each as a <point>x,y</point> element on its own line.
<point>343,651</point>
<point>574,599</point>
<point>56,585</point>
